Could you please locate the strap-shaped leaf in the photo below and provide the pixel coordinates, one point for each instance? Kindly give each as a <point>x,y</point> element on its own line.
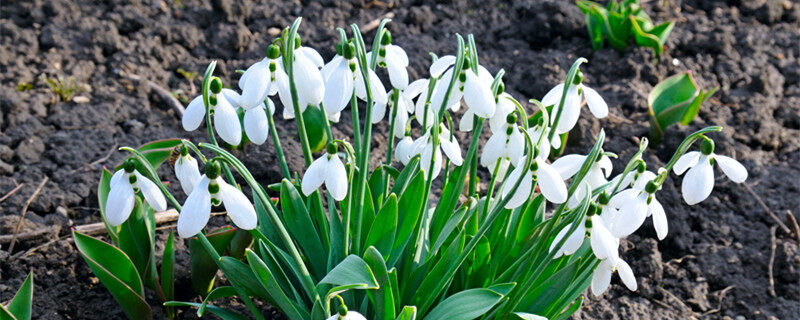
<point>217,293</point>
<point>20,305</point>
<point>135,241</point>
<point>469,304</point>
<point>299,224</point>
<point>382,299</point>
<point>241,276</point>
<point>677,99</point>
<point>276,295</point>
<point>203,267</point>
<point>408,313</point>
<point>168,270</point>
<point>381,234</point>
<point>116,271</point>
<point>408,212</point>
<point>222,313</point>
<point>352,270</point>
<point>528,316</point>
<point>103,187</point>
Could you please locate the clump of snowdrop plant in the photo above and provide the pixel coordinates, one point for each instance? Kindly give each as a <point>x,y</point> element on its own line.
<point>378,242</point>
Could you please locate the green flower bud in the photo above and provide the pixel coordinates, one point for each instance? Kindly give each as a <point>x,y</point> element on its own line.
<point>578,78</point>
<point>641,167</point>
<point>342,310</point>
<point>216,85</point>
<point>184,150</point>
<point>592,210</point>
<point>212,169</point>
<point>332,148</point>
<point>500,88</point>
<point>273,51</point>
<point>387,38</point>
<point>349,51</point>
<point>297,41</point>
<point>651,187</point>
<point>603,198</point>
<point>340,49</point>
<point>511,118</point>
<point>707,146</point>
<point>129,165</point>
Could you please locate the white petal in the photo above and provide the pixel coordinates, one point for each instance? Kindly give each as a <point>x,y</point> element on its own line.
<point>441,64</point>
<point>452,150</point>
<point>623,197</point>
<point>234,98</point>
<point>550,182</point>
<point>402,152</point>
<point>503,107</point>
<point>643,179</point>
<point>569,165</point>
<point>338,88</point>
<point>378,90</point>
<point>478,96</point>
<point>603,243</point>
<point>596,104</point>
<point>631,216</point>
<point>605,165</point>
<point>328,68</point>
<point>515,147</point>
<point>256,124</point>
<point>493,149</point>
<point>315,175</point>
<point>601,278</point>
<point>378,112</point>
<point>575,240</point>
<point>626,274</point>
<point>397,54</point>
<point>428,156</point>
<point>686,161</point>
<point>571,113</point>
<point>118,176</point>
<point>659,218</point>
<point>311,55</point>
<point>400,121</point>
<point>698,182</point>
<point>553,97</point>
<point>336,179</point>
<point>239,208</point>
<point>557,239</point>
<point>466,123</point>
<point>732,168</point>
<point>284,92</point>
<point>119,203</point>
<point>523,192</point>
<point>309,81</point>
<point>196,210</point>
<point>398,75</point>
<point>194,114</point>
<point>415,88</point>
<point>151,192</point>
<point>187,172</point>
<point>227,123</point>
<point>255,86</point>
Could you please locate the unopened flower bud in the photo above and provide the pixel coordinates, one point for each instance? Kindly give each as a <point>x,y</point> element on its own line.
<point>212,169</point>
<point>578,78</point>
<point>297,41</point>
<point>387,38</point>
<point>651,187</point>
<point>216,85</point>
<point>707,146</point>
<point>129,165</point>
<point>332,148</point>
<point>273,51</point>
<point>349,51</point>
<point>511,118</point>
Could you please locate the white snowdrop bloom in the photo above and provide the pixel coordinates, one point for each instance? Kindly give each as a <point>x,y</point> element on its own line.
<point>350,315</point>
<point>508,144</point>
<point>550,183</point>
<point>122,194</point>
<point>261,79</point>
<point>636,180</point>
<point>601,278</point>
<point>404,150</point>
<point>497,122</point>
<point>394,59</point>
<point>187,171</point>
<point>635,206</point>
<point>312,55</point>
<point>405,105</point>
<point>197,209</point>
<point>569,165</point>
<point>327,169</point>
<point>572,105</point>
<point>423,146</point>
<point>308,81</point>
<point>604,244</point>
<point>339,76</point>
<point>546,145</point>
<point>226,121</point>
<point>475,88</point>
<point>699,180</point>
<point>423,110</point>
<point>256,123</point>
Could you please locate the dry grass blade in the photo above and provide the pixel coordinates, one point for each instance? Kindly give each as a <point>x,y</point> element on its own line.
<point>24,211</point>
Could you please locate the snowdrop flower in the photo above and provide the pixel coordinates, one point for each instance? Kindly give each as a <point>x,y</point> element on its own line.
<point>498,121</point>
<point>572,103</point>
<point>347,315</point>
<point>636,180</point>
<point>212,190</point>
<point>261,79</point>
<point>256,123</point>
<point>122,194</point>
<point>536,132</point>
<point>339,76</point>
<point>308,81</point>
<point>635,205</point>
<point>699,180</point>
<point>508,144</point>
<point>226,120</point>
<point>404,150</point>
<point>405,105</point>
<point>475,88</point>
<point>423,146</point>
<point>394,59</point>
<point>601,278</point>
<point>550,183</point>
<point>569,165</point>
<point>186,171</point>
<point>423,109</point>
<point>327,169</point>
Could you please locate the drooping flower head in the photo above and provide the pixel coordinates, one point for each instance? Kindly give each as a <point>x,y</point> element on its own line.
<point>327,169</point>
<point>699,180</point>
<point>601,278</point>
<point>307,78</point>
<point>572,103</point>
<point>213,190</point>
<point>124,185</point>
<point>423,146</point>
<point>226,121</point>
<point>394,59</point>
<point>474,87</point>
<point>540,173</point>
<point>186,170</point>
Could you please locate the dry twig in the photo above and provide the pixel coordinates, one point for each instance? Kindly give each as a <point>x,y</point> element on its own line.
<point>722,294</point>
<point>13,191</point>
<point>764,206</point>
<point>680,302</point>
<point>772,247</point>
<point>24,211</point>
<point>795,227</point>
<point>163,93</point>
<point>376,22</point>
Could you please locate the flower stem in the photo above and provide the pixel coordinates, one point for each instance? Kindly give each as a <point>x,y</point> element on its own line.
<point>273,131</point>
<point>390,145</point>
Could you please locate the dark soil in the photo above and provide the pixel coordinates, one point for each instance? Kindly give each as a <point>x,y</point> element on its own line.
<point>714,263</point>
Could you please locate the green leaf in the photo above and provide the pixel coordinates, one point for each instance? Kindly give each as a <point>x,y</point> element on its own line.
<point>425,293</point>
<point>217,293</point>
<point>531,217</point>
<point>643,38</point>
<point>242,239</point>
<point>528,316</point>
<point>102,196</point>
<point>276,295</point>
<point>116,271</point>
<point>315,128</point>
<point>408,213</point>
<point>135,241</point>
<point>20,305</point>
<point>241,276</point>
<point>662,31</point>
<point>160,144</point>
<point>376,187</point>
<point>298,222</point>
<point>382,299</point>
<point>156,152</point>
<point>469,304</point>
<point>408,313</point>
<point>404,178</point>
<point>203,267</point>
<point>618,30</point>
<point>677,99</point>
<point>168,271</point>
<point>222,313</point>
<point>352,270</point>
<point>548,290</point>
<point>570,310</point>
<point>595,22</point>
<point>381,234</point>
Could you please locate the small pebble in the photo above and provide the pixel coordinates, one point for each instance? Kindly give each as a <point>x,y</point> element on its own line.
<point>675,62</point>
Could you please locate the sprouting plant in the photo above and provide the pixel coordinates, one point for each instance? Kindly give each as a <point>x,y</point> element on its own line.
<point>675,100</point>
<point>354,237</point>
<point>24,86</point>
<point>64,88</point>
<point>621,20</point>
<point>20,306</point>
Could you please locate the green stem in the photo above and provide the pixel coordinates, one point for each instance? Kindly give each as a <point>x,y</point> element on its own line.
<point>366,141</point>
<point>573,71</point>
<point>389,147</point>
<point>473,170</point>
<point>276,140</point>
